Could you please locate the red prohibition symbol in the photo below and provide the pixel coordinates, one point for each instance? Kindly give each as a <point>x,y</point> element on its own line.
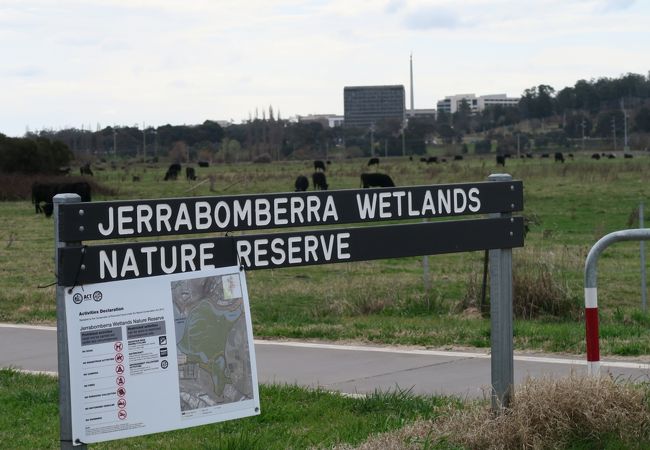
<point>121,391</point>
<point>119,369</point>
<point>121,414</point>
<point>118,346</point>
<point>119,358</point>
<point>121,403</point>
<point>120,381</point>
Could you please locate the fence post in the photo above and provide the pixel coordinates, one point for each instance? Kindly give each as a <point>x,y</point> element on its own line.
<point>65,409</point>
<point>502,358</point>
<point>644,295</point>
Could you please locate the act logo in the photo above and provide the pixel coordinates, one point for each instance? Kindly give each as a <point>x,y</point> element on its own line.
<point>79,297</point>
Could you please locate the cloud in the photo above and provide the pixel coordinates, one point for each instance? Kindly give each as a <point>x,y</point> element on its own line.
<point>24,72</point>
<point>427,18</point>
<point>614,5</point>
<point>393,6</point>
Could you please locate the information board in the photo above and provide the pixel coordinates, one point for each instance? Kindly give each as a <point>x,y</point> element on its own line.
<point>160,353</point>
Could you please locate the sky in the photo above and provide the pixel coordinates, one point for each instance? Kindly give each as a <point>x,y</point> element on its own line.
<point>87,63</point>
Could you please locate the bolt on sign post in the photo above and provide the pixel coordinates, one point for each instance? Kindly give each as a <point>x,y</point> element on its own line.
<point>93,278</point>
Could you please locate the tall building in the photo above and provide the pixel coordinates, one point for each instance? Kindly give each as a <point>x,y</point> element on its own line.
<point>365,106</point>
<point>451,103</point>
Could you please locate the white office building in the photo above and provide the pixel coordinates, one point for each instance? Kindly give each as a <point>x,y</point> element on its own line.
<point>451,103</point>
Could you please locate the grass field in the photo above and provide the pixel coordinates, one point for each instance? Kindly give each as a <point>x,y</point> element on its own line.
<point>570,206</point>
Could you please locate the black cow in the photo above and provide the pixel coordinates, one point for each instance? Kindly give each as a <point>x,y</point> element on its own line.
<point>373,162</point>
<point>458,157</point>
<point>190,174</point>
<point>302,183</point>
<point>570,155</point>
<point>501,160</point>
<point>529,155</point>
<point>44,192</point>
<point>376,180</point>
<point>595,156</point>
<point>544,155</point>
<point>559,157</point>
<point>86,170</point>
<point>432,159</point>
<point>319,181</point>
<point>628,156</point>
<point>423,159</point>
<point>318,164</point>
<point>173,171</point>
<point>611,156</point>
<point>204,164</point>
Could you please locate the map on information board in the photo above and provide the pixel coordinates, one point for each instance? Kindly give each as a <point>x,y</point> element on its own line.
<point>210,323</point>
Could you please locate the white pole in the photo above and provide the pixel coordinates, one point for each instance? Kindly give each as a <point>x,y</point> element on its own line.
<point>644,298</point>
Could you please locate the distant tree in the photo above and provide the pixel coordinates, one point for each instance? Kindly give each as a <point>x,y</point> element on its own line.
<point>30,156</point>
<point>483,146</point>
<point>537,102</point>
<point>179,152</point>
<point>642,120</point>
<point>462,117</point>
<point>608,121</point>
<point>573,127</point>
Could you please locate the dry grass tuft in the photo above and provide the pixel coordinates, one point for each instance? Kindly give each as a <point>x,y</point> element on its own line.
<point>545,414</point>
<point>540,286</point>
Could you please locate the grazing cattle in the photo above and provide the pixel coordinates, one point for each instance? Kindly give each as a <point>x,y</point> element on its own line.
<point>190,174</point>
<point>319,165</point>
<point>432,159</point>
<point>559,157</point>
<point>376,180</point>
<point>204,164</point>
<point>443,160</point>
<point>423,159</point>
<point>595,156</point>
<point>319,181</point>
<point>570,155</point>
<point>64,170</point>
<point>529,155</point>
<point>44,192</point>
<point>373,162</point>
<point>501,160</point>
<point>86,170</point>
<point>301,184</point>
<point>544,155</point>
<point>135,178</point>
<point>611,156</point>
<point>328,162</point>
<point>458,157</point>
<point>628,155</point>
<point>172,172</point>
<point>410,157</point>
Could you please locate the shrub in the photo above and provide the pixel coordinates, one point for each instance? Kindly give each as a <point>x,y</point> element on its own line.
<point>264,158</point>
<point>31,156</point>
<point>571,412</point>
<point>539,285</point>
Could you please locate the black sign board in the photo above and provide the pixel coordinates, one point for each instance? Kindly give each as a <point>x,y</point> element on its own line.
<point>162,217</point>
<point>102,263</point>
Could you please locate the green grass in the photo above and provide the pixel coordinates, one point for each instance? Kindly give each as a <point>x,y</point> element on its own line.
<point>291,417</point>
<point>571,206</point>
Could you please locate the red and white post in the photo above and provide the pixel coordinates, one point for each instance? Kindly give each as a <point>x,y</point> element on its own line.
<point>591,323</point>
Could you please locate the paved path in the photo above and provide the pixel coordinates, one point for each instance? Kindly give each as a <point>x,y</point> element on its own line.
<point>344,368</point>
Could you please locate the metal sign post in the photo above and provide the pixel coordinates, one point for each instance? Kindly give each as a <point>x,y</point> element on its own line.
<point>65,413</point>
<point>501,318</point>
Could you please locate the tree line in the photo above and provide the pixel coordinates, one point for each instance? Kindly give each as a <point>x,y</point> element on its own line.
<point>594,108</point>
